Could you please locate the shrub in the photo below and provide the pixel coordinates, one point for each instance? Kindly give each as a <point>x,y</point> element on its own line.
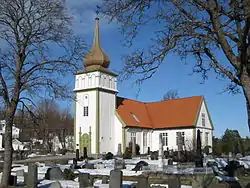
<point>108,156</point>
<point>68,174</point>
<point>137,149</point>
<point>127,154</point>
<point>206,149</point>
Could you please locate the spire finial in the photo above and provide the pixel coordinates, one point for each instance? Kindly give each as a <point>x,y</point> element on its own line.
<point>98,8</point>
<point>96,56</point>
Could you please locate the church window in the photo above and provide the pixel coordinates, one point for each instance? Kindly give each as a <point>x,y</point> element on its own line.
<point>164,137</point>
<point>180,138</point>
<point>203,122</point>
<point>134,116</point>
<point>145,134</point>
<point>206,138</point>
<point>85,111</point>
<point>133,136</point>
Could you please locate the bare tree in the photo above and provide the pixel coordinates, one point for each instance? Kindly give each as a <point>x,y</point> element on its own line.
<point>203,29</point>
<point>171,94</point>
<point>38,49</point>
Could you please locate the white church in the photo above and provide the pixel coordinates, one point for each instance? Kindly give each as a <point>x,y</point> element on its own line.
<point>103,120</point>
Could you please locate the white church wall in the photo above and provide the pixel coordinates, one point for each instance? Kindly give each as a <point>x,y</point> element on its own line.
<point>117,134</point>
<point>205,126</point>
<point>83,123</point>
<point>107,118</point>
<point>171,138</point>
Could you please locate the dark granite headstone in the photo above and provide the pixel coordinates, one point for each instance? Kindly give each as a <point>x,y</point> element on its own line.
<point>143,182</point>
<point>32,175</point>
<point>105,179</point>
<point>174,183</point>
<point>54,173</point>
<point>12,180</point>
<point>85,153</point>
<point>148,150</point>
<point>84,180</point>
<point>77,155</point>
<point>119,164</point>
<point>115,179</point>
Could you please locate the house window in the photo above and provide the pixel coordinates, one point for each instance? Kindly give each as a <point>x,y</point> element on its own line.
<point>85,111</point>
<point>203,122</point>
<point>164,137</point>
<point>145,134</point>
<point>206,138</point>
<point>180,138</point>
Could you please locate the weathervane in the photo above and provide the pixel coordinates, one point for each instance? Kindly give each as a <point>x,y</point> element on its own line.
<point>97,10</point>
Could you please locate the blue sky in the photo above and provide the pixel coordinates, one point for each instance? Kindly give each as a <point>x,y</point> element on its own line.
<point>227,110</point>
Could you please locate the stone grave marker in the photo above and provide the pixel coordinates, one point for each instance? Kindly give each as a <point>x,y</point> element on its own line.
<point>115,179</point>
<point>12,180</point>
<point>119,152</point>
<point>32,175</point>
<point>105,179</point>
<point>174,183</point>
<point>142,182</point>
<point>133,148</point>
<point>54,173</point>
<point>119,164</point>
<point>84,180</point>
<point>55,184</point>
<point>85,153</point>
<point>77,155</point>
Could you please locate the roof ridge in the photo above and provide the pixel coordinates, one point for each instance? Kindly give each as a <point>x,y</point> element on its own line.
<point>162,100</point>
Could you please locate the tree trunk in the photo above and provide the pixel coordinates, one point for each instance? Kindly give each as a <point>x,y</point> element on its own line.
<point>246,91</point>
<point>8,146</point>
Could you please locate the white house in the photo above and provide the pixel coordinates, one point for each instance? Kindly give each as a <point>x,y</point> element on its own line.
<point>103,120</point>
<point>15,135</point>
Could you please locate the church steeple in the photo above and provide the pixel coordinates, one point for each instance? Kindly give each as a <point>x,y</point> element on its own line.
<point>96,56</point>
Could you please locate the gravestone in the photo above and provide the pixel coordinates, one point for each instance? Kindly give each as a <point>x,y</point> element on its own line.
<point>142,182</point>
<point>174,183</point>
<point>148,150</point>
<point>115,179</point>
<point>12,180</point>
<point>32,175</point>
<point>105,179</point>
<point>54,173</point>
<point>119,164</point>
<point>85,153</point>
<point>84,180</point>
<point>119,152</point>
<point>77,155</point>
<point>133,148</point>
<point>55,184</point>
<point>25,178</point>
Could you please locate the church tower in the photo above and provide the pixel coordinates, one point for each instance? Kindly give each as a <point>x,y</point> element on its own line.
<point>95,101</point>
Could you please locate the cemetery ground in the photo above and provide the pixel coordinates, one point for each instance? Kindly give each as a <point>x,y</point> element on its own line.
<point>143,170</point>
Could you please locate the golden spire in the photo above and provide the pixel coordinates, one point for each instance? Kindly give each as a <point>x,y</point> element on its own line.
<point>96,55</point>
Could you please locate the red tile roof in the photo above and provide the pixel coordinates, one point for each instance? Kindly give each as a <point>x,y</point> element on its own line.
<point>181,112</point>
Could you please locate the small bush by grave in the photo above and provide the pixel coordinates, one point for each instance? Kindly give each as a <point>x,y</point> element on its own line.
<point>137,149</point>
<point>68,174</point>
<point>108,156</point>
<point>127,154</point>
<point>154,155</point>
